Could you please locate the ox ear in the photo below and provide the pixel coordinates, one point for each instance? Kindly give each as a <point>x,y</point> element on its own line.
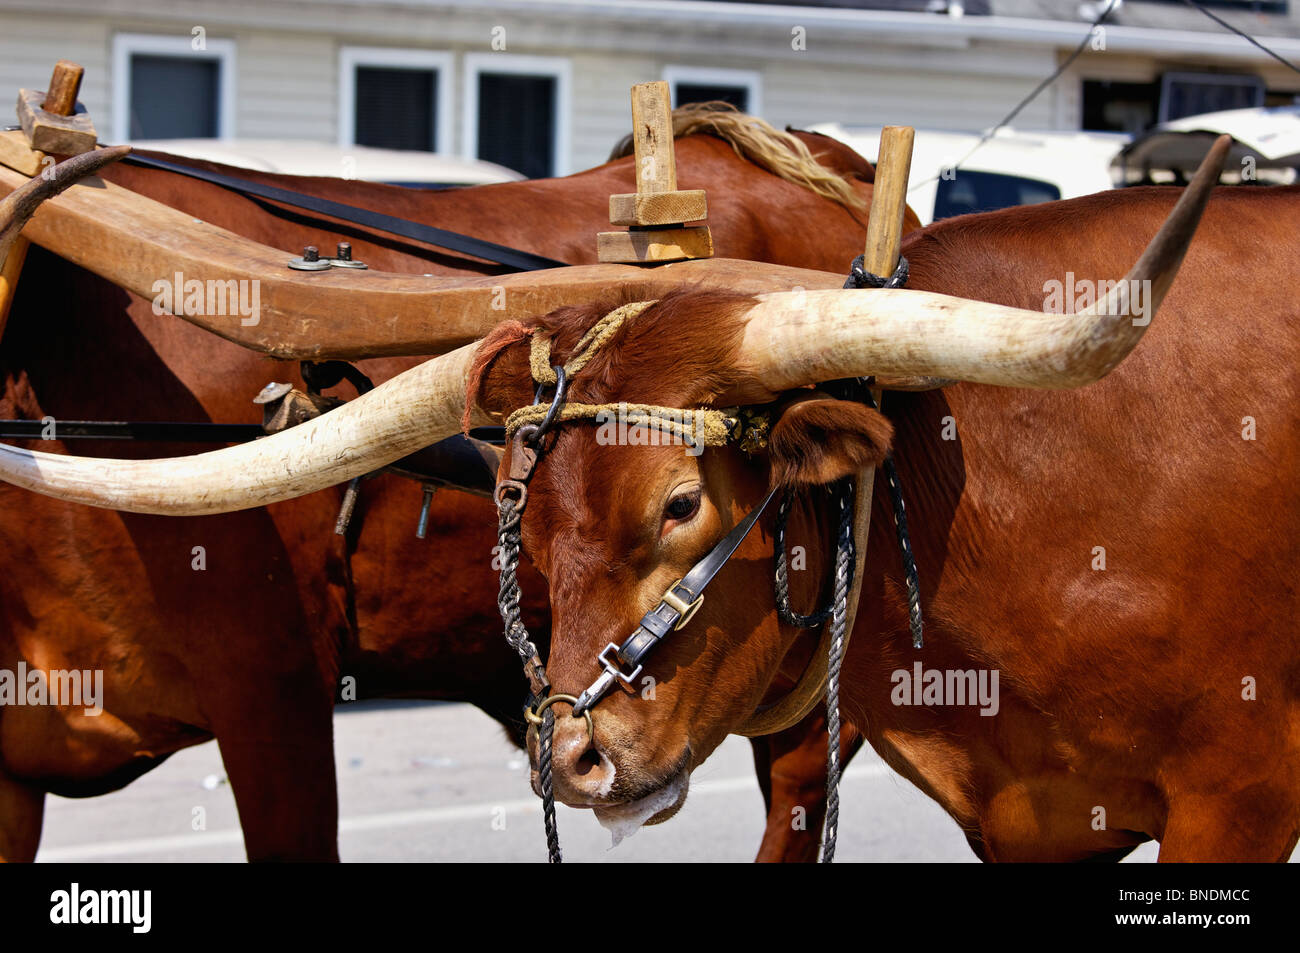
<point>821,440</point>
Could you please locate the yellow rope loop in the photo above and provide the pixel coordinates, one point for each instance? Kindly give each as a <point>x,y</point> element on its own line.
<point>699,427</point>
<point>539,357</point>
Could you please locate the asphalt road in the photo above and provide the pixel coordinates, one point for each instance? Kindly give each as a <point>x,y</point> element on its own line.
<point>430,782</point>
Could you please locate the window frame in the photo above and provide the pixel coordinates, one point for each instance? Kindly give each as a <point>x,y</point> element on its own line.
<point>126,45</point>
<point>560,68</point>
<point>350,57</point>
<point>750,80</point>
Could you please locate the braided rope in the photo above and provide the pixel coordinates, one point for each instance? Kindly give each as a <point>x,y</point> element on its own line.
<point>781,582</point>
<point>844,553</point>
<point>699,427</point>
<point>914,620</point>
<point>508,601</point>
<point>539,357</point>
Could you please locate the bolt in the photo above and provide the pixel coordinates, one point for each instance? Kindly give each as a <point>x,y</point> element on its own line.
<point>344,252</point>
<point>311,253</point>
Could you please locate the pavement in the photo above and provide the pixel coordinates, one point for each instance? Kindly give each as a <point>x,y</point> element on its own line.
<point>439,782</point>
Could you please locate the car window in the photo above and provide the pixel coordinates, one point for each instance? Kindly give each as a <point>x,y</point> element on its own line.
<point>986,191</point>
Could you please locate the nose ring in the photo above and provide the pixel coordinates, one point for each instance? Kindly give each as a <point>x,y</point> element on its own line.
<point>534,716</point>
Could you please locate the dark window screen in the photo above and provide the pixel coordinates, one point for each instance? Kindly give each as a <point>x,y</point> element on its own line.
<point>987,191</point>
<point>516,122</point>
<point>394,108</point>
<point>1188,96</point>
<point>1119,107</point>
<point>738,96</point>
<point>174,97</point>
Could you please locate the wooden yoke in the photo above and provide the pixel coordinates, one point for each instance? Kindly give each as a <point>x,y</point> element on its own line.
<point>657,210</point>
<point>884,240</point>
<point>51,119</point>
<point>52,126</point>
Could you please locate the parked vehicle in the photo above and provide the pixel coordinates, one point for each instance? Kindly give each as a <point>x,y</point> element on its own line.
<point>1011,168</point>
<point>1265,150</point>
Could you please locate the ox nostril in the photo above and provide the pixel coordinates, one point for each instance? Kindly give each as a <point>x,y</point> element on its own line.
<point>582,770</point>
<point>587,762</point>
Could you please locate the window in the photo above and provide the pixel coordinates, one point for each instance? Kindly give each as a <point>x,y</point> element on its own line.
<point>517,112</point>
<point>988,191</point>
<point>164,88</point>
<point>741,88</point>
<point>1190,94</point>
<point>395,99</point>
<point>1119,107</point>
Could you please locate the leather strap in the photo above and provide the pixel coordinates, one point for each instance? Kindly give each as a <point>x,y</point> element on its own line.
<point>677,605</point>
<point>454,241</point>
<point>664,617</point>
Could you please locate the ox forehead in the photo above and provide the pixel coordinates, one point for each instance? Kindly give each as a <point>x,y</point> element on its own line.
<point>528,428</point>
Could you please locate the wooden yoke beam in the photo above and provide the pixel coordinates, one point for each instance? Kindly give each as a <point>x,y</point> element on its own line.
<point>657,210</point>
<point>884,241</point>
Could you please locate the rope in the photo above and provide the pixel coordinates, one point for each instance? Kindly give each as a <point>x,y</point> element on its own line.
<point>837,612</point>
<point>508,601</point>
<point>914,620</point>
<point>859,277</point>
<point>699,427</point>
<point>844,553</point>
<point>539,357</point>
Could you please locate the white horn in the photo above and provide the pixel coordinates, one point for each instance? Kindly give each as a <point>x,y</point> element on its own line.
<point>798,338</point>
<point>402,415</point>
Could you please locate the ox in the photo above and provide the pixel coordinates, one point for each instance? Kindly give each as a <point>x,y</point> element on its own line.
<point>1120,555</point>
<point>1139,701</point>
<point>251,649</point>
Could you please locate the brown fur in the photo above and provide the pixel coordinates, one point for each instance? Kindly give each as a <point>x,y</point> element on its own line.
<point>820,441</point>
<point>1120,689</point>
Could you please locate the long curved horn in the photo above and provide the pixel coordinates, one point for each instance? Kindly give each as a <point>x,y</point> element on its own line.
<point>825,336</point>
<point>21,204</point>
<point>399,417</point>
<point>798,338</point>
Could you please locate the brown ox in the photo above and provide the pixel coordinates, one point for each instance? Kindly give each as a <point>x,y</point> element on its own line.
<point>251,649</point>
<point>1155,698</point>
<point>1124,713</point>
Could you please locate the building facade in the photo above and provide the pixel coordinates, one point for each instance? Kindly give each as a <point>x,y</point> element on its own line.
<point>543,86</point>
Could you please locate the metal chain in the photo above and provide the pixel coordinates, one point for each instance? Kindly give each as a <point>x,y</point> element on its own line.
<point>508,601</point>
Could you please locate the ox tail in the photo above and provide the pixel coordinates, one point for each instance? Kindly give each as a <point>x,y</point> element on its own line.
<point>757,141</point>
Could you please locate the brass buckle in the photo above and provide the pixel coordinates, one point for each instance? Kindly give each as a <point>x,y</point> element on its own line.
<point>687,611</point>
<point>534,716</point>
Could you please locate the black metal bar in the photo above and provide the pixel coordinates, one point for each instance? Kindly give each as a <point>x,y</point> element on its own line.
<point>130,430</point>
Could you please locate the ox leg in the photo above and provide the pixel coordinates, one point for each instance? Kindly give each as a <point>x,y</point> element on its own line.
<point>281,768</point>
<point>1258,826</point>
<point>791,768</point>
<point>22,812</point>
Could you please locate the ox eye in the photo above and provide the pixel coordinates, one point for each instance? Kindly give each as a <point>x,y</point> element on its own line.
<point>682,507</point>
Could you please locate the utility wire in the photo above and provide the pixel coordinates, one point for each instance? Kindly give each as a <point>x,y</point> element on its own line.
<point>1078,51</point>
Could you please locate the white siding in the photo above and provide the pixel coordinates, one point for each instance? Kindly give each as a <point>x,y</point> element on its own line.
<point>288,56</point>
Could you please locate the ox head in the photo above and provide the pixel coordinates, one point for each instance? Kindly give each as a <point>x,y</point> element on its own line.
<point>611,523</point>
